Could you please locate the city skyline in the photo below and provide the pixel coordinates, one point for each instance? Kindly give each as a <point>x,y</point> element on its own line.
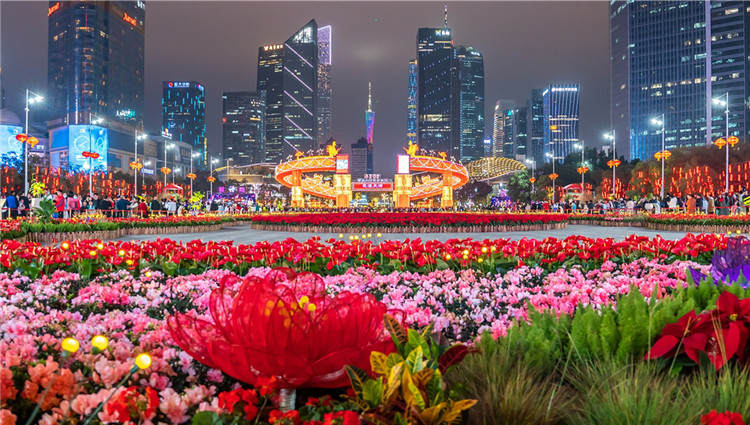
<point>372,41</point>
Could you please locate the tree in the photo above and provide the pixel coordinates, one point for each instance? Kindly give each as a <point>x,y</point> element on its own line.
<point>474,191</point>
<point>519,187</point>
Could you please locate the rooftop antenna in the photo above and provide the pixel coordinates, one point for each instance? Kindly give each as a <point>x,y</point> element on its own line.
<point>446,15</point>
<point>369,97</point>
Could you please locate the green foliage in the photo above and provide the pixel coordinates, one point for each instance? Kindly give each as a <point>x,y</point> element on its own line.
<point>45,210</point>
<point>408,387</point>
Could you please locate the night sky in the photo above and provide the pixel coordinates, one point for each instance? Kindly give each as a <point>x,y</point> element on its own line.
<point>525,45</point>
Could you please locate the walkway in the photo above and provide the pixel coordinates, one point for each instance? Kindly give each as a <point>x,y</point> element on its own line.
<point>245,235</point>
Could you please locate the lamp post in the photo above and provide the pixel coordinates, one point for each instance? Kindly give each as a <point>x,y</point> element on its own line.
<point>167,145</point>
<point>36,99</point>
<point>553,176</point>
<point>611,136</point>
<point>192,176</point>
<point>583,164</point>
<point>533,174</point>
<point>135,170</point>
<point>211,174</point>
<point>92,121</point>
<point>660,122</point>
<point>725,103</point>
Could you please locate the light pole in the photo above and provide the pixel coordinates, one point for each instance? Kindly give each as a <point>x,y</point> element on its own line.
<point>718,101</point>
<point>553,157</point>
<point>135,169</point>
<point>611,136</point>
<point>583,164</point>
<point>211,174</point>
<point>660,122</point>
<point>192,176</point>
<point>36,99</point>
<point>167,145</point>
<point>92,121</point>
<point>533,174</point>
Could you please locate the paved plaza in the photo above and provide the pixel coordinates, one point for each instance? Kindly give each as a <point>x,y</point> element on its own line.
<point>246,235</point>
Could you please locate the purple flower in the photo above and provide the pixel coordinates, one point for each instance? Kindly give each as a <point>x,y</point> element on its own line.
<point>729,265</point>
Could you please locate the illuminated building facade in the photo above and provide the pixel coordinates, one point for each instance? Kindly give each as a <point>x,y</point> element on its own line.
<point>243,128</point>
<point>502,141</point>
<point>300,90</point>
<point>561,103</point>
<point>411,113</point>
<point>184,115</point>
<point>435,82</point>
<point>270,84</point>
<point>673,58</point>
<point>470,108</point>
<point>95,63</point>
<point>324,83</point>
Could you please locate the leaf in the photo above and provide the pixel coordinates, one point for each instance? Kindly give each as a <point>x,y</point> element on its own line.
<point>399,420</point>
<point>426,331</point>
<point>415,360</point>
<point>396,330</point>
<point>379,363</point>
<point>434,387</point>
<point>432,414</point>
<point>452,356</point>
<point>417,396</point>
<point>393,359</point>
<point>358,377</point>
<point>207,417</point>
<point>455,410</point>
<point>372,392</point>
<point>394,382</point>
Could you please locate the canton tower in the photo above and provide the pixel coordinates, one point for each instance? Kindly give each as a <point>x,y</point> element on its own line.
<point>369,116</point>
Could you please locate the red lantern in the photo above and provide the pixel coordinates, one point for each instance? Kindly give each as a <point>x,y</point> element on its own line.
<point>720,143</point>
<point>166,170</point>
<point>22,137</point>
<point>211,179</point>
<point>554,176</point>
<point>582,170</point>
<point>532,180</point>
<point>733,140</point>
<point>191,176</point>
<point>136,165</point>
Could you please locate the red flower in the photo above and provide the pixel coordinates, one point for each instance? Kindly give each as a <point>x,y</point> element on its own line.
<point>128,404</point>
<point>291,417</point>
<point>726,418</point>
<point>284,325</point>
<point>346,417</point>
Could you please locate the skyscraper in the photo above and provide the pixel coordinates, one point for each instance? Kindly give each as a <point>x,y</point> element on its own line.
<point>95,62</point>
<point>271,85</point>
<point>184,114</point>
<point>324,83</point>
<point>520,132</point>
<point>369,116</point>
<point>560,119</point>
<point>360,159</point>
<point>673,58</point>
<point>535,125</point>
<point>243,127</point>
<point>434,78</point>
<point>411,111</point>
<point>300,90</point>
<point>502,142</point>
<point>470,108</point>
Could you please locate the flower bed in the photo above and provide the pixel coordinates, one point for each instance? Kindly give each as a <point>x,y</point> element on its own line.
<point>408,222</point>
<point>700,223</point>
<point>334,257</point>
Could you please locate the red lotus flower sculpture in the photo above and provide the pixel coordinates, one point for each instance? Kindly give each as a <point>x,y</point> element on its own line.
<point>285,326</point>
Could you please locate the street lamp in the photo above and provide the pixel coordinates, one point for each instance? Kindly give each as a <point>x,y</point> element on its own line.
<point>211,177</point>
<point>191,176</point>
<point>582,169</point>
<point>725,103</point>
<point>167,146</point>
<point>533,174</point>
<point>611,136</point>
<point>554,175</point>
<point>93,120</point>
<point>661,154</point>
<point>29,100</point>
<point>135,166</point>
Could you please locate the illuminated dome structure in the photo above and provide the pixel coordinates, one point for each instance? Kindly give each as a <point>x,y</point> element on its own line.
<point>327,177</point>
<point>490,169</point>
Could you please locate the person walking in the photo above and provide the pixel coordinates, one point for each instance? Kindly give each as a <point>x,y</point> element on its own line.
<point>11,203</point>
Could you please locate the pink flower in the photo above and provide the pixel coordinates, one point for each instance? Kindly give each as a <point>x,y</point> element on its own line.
<point>173,406</point>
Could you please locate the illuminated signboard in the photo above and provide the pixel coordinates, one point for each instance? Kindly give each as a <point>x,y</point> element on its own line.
<point>402,166</point>
<point>372,186</point>
<point>342,164</point>
<point>87,138</point>
<point>129,19</point>
<point>180,84</point>
<point>9,145</point>
<point>148,171</point>
<point>55,7</point>
<point>564,88</point>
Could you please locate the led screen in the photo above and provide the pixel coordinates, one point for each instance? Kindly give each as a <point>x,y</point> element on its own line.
<point>342,164</point>
<point>8,143</point>
<point>85,138</point>
<point>403,164</point>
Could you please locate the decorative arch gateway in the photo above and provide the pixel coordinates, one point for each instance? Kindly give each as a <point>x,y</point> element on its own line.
<point>303,176</point>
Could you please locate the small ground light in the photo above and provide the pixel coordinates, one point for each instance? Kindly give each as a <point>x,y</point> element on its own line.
<point>447,256</point>
<point>369,235</point>
<point>379,235</point>
<point>341,235</point>
<point>93,253</point>
<point>100,342</point>
<point>466,252</point>
<point>71,345</point>
<point>148,274</point>
<point>351,238</point>
<point>484,249</point>
<point>100,246</point>
<point>481,260</point>
<point>65,245</point>
<point>143,360</point>
<point>121,253</point>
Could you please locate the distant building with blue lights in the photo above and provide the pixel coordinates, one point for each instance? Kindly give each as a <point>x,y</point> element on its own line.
<point>561,111</point>
<point>470,103</point>
<point>411,105</point>
<point>184,115</point>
